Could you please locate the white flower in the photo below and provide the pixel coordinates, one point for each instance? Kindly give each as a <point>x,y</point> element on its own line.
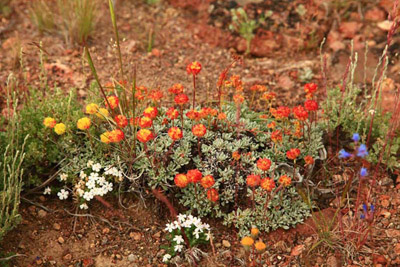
<point>91,184</point>
<point>187,224</point>
<point>178,248</point>
<point>166,258</point>
<point>63,177</point>
<point>206,226</point>
<point>169,227</point>
<point>108,187</point>
<point>371,111</point>
<point>83,206</point>
<point>47,191</point>
<point>208,235</point>
<point>89,163</point>
<point>177,225</point>
<point>88,196</point>
<point>178,239</point>
<point>82,175</point>
<point>101,180</point>
<point>96,167</point>
<point>197,232</point>
<point>181,217</point>
<point>63,194</point>
<point>80,192</point>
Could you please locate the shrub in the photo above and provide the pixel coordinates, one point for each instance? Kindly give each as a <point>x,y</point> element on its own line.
<point>73,19</point>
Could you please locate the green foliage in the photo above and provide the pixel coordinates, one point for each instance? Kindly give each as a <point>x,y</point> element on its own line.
<point>73,19</point>
<point>244,26</point>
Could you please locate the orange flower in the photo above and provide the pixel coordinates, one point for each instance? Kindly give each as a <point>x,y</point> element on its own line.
<point>150,112</point>
<point>145,122</point>
<point>116,136</point>
<point>121,121</point>
<point>247,241</point>
<point>105,137</point>
<point>235,79</point>
<point>140,93</point>
<point>268,96</point>
<point>181,180</point>
<point>276,136</point>
<point>281,112</point>
<point>293,153</point>
<point>113,100</point>
<point>311,105</point>
<point>264,164</point>
<point>259,88</point>
<point>238,99</point>
<point>135,121</point>
<point>254,232</point>
<point>285,180</point>
<point>310,88</point>
<point>309,160</point>
<point>268,184</point>
<point>193,68</point>
<point>172,113</point>
<point>176,89</point>
<point>221,116</point>
<point>236,155</point>
<point>181,99</point>
<point>175,133</point>
<point>156,95</point>
<point>271,125</point>
<point>212,195</point>
<point>83,123</point>
<point>260,246</point>
<point>192,114</point>
<point>194,176</point>
<point>144,135</point>
<point>199,130</point>
<point>49,122</point>
<point>300,113</point>
<point>207,181</point>
<point>253,180</point>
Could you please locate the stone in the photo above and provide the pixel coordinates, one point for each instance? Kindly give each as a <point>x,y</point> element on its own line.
<point>226,243</point>
<point>68,257</point>
<point>61,240</point>
<point>56,226</point>
<point>42,213</point>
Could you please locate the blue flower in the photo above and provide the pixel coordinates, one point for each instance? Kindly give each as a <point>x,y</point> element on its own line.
<point>362,216</point>
<point>363,172</point>
<point>362,151</point>
<point>356,137</point>
<point>372,208</point>
<point>343,154</point>
<point>365,208</point>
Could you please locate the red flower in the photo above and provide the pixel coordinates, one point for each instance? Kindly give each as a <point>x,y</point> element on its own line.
<point>194,176</point>
<point>309,160</point>
<point>300,113</point>
<point>175,133</point>
<point>268,184</point>
<point>238,99</point>
<point>253,180</point>
<point>311,105</point>
<point>181,99</point>
<point>150,112</point>
<point>193,68</point>
<point>192,114</point>
<point>176,89</point>
<point>113,100</point>
<point>268,96</point>
<point>144,135</point>
<point>310,88</point>
<point>134,121</point>
<point>264,164</point>
<point>212,195</point>
<point>172,113</point>
<point>156,95</point>
<point>293,153</point>
<point>236,155</point>
<point>140,93</point>
<point>276,136</point>
<point>259,88</point>
<point>181,180</point>
<point>207,181</point>
<point>199,130</point>
<point>145,122</point>
<point>285,180</point>
<point>116,136</point>
<point>121,121</point>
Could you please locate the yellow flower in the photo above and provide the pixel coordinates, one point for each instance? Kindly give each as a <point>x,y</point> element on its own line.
<point>105,137</point>
<point>260,246</point>
<point>92,108</point>
<point>49,122</point>
<point>83,123</point>
<point>254,232</point>
<point>60,128</point>
<point>247,241</point>
<point>103,113</point>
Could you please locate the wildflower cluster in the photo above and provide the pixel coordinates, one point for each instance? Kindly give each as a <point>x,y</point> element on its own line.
<point>185,227</point>
<point>254,249</point>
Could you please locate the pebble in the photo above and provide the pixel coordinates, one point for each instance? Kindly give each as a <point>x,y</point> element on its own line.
<point>56,226</point>
<point>42,213</point>
<point>61,240</point>
<point>67,257</point>
<point>226,243</point>
<point>132,257</point>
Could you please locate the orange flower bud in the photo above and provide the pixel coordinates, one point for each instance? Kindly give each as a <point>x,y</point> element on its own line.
<point>207,181</point>
<point>175,133</point>
<point>199,130</point>
<point>181,180</point>
<point>144,135</point>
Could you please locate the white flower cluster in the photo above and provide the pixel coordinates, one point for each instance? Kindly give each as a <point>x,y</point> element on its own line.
<point>186,221</point>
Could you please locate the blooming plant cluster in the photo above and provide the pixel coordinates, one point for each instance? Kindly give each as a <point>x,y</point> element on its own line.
<point>254,249</point>
<point>185,233</point>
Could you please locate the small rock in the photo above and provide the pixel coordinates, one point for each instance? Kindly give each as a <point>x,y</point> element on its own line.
<point>226,243</point>
<point>61,240</point>
<point>157,235</point>
<point>118,256</point>
<point>42,198</point>
<point>332,261</point>
<point>136,236</point>
<point>132,257</point>
<point>42,213</point>
<point>56,226</point>
<point>218,245</point>
<point>68,257</point>
<point>106,230</point>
